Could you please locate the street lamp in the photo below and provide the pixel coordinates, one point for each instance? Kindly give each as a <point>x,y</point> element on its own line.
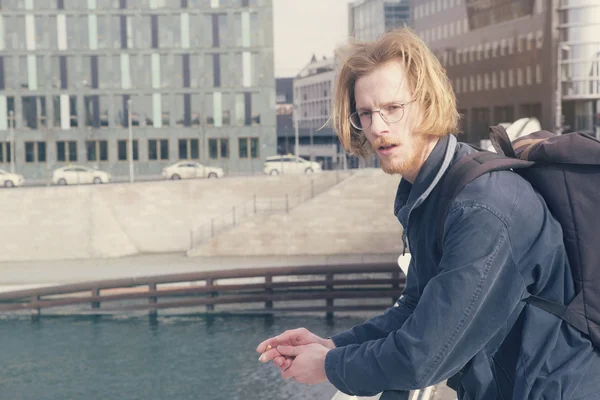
<point>11,121</point>
<point>130,144</point>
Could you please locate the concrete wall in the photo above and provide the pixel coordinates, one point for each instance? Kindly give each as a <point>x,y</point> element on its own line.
<point>57,223</point>
<point>354,217</point>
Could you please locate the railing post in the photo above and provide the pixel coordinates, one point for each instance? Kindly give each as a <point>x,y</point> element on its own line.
<point>312,188</point>
<point>212,227</point>
<point>209,283</point>
<point>191,239</point>
<point>36,299</point>
<point>95,292</point>
<point>152,299</point>
<point>268,291</point>
<point>287,203</point>
<point>254,204</point>
<point>329,277</point>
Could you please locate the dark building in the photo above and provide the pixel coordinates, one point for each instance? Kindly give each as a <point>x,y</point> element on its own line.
<point>504,57</point>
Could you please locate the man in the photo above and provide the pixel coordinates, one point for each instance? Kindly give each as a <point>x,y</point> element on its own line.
<point>462,314</point>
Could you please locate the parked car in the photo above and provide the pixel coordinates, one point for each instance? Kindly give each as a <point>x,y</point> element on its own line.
<point>79,174</point>
<point>8,179</point>
<point>191,170</point>
<point>289,165</point>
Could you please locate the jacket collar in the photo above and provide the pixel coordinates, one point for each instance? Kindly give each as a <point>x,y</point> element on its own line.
<point>410,196</point>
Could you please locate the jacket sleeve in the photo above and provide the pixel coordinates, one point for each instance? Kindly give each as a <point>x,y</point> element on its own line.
<point>390,321</point>
<point>470,299</point>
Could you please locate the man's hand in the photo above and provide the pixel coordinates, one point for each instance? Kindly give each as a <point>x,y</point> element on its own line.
<point>309,363</point>
<point>294,337</point>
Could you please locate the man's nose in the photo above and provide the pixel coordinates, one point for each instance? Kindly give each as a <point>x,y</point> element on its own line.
<point>378,124</point>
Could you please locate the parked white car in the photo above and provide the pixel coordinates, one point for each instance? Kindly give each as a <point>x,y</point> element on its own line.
<point>290,165</point>
<point>79,174</point>
<point>8,179</point>
<point>191,170</point>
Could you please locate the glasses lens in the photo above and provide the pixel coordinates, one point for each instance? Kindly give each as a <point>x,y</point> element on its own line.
<point>356,122</point>
<point>393,113</point>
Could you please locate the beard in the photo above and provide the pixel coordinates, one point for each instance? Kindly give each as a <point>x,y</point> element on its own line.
<point>398,165</point>
<point>406,157</point>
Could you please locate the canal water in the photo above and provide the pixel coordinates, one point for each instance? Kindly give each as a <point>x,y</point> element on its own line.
<point>171,357</point>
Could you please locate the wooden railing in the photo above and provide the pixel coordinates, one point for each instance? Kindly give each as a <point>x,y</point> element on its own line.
<point>253,290</point>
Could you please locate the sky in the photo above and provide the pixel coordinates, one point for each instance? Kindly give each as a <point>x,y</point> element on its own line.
<point>304,27</point>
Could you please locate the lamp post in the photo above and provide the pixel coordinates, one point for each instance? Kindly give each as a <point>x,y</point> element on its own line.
<point>11,121</point>
<point>130,144</point>
<point>297,142</point>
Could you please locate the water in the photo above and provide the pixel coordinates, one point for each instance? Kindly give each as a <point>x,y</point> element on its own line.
<point>177,357</point>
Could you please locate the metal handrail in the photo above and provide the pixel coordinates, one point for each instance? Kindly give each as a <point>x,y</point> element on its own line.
<point>211,292</point>
<point>258,204</point>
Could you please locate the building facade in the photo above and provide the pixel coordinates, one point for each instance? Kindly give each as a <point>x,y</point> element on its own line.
<point>504,57</point>
<point>313,94</point>
<point>578,52</point>
<point>194,77</point>
<point>284,89</point>
<point>369,19</point>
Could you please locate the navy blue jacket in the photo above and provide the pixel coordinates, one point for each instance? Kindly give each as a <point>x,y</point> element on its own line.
<point>461,314</point>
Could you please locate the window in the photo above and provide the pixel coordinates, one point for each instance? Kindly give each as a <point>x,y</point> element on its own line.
<point>158,149</point>
<point>246,109</point>
<point>538,74</point>
<point>35,152</point>
<point>504,114</point>
<point>248,147</point>
<point>531,110</point>
<point>530,41</point>
<point>73,110</point>
<point>123,147</point>
<point>34,111</point>
<point>66,151</point>
<point>218,148</point>
<point>189,149</point>
<point>97,150</point>
<point>5,153</point>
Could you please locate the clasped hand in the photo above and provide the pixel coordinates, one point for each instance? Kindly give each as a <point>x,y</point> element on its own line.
<point>299,354</point>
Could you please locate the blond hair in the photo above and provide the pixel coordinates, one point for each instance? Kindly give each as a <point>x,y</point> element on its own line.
<point>427,81</point>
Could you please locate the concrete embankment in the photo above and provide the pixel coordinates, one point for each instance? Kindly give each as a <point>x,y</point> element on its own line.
<point>95,222</point>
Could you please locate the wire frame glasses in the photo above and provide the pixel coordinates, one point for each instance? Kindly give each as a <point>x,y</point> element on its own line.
<point>391,114</point>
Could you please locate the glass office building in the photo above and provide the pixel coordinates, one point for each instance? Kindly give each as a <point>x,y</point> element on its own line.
<point>369,19</point>
<point>194,78</point>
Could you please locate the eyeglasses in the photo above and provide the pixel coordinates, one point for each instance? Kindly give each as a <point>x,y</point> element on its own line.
<point>391,114</point>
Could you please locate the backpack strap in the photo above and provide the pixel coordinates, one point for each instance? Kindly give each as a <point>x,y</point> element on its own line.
<point>465,171</point>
